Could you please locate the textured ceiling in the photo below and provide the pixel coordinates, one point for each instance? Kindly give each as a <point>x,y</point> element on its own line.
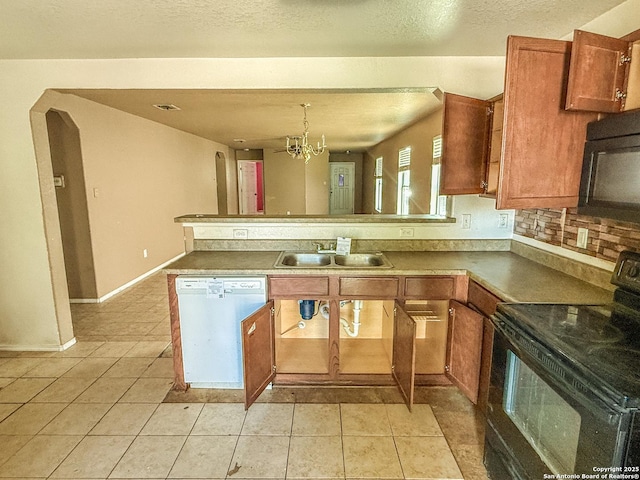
<point>350,119</point>
<point>76,29</point>
<point>280,28</point>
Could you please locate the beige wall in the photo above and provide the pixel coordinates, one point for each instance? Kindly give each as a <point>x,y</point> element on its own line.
<point>34,311</point>
<point>292,187</point>
<point>419,137</point>
<point>139,175</point>
<point>34,303</point>
<point>317,185</point>
<point>284,184</point>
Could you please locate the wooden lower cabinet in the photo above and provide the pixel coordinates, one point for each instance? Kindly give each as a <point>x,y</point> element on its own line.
<point>343,341</point>
<point>404,355</point>
<point>486,303</point>
<point>432,318</point>
<point>464,350</point>
<point>359,331</point>
<point>257,352</point>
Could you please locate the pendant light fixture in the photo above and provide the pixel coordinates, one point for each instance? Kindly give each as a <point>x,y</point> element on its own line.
<point>299,147</point>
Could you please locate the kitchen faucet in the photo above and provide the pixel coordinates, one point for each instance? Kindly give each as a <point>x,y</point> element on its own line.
<point>320,248</point>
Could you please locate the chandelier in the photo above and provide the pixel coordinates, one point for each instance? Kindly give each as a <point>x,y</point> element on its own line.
<point>298,146</point>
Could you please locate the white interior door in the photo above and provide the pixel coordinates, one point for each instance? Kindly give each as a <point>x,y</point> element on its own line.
<point>341,193</point>
<point>248,187</point>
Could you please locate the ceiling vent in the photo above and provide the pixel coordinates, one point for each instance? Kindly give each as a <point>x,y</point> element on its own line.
<point>166,106</point>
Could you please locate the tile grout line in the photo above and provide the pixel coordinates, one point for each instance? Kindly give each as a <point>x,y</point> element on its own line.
<point>235,447</point>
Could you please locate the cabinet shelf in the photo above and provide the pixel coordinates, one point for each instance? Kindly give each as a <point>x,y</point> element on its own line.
<point>364,355</point>
<point>296,355</point>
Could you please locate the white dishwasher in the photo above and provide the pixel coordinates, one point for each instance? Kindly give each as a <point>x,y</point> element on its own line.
<point>211,309</point>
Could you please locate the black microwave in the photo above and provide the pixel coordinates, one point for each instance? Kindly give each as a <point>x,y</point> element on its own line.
<point>610,182</point>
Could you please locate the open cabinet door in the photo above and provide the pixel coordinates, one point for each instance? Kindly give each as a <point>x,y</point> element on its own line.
<point>466,132</point>
<point>464,352</point>
<point>597,73</point>
<point>404,354</point>
<point>258,352</point>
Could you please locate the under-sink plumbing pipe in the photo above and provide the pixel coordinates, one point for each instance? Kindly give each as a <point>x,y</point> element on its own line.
<point>357,306</point>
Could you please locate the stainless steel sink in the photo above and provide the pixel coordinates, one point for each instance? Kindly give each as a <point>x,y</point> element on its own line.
<point>304,260</point>
<point>331,260</point>
<point>361,260</point>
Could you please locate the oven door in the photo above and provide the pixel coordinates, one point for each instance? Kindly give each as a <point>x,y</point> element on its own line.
<point>542,420</point>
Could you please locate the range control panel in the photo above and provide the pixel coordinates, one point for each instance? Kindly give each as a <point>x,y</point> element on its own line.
<point>627,271</point>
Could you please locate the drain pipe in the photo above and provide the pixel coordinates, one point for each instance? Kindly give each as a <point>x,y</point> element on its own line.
<point>357,306</point>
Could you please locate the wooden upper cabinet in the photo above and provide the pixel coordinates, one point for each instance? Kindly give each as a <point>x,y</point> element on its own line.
<point>466,124</point>
<point>542,142</point>
<point>598,73</point>
<point>495,146</point>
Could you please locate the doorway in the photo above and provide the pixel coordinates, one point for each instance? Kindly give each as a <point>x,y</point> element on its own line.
<point>341,190</point>
<point>73,212</point>
<point>221,183</point>
<point>250,187</point>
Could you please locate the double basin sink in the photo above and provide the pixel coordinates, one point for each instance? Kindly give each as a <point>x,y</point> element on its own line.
<point>332,260</point>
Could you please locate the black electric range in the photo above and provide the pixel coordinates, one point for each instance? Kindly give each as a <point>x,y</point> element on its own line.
<point>600,342</point>
<point>565,385</point>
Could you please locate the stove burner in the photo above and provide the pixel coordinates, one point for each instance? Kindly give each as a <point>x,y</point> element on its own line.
<point>587,328</point>
<point>618,360</point>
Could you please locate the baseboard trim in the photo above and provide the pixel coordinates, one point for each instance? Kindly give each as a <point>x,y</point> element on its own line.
<point>128,284</point>
<point>38,348</point>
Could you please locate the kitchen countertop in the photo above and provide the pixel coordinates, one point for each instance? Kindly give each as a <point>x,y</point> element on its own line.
<point>196,218</point>
<point>507,275</point>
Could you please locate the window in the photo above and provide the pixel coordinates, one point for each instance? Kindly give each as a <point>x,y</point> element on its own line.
<point>438,204</point>
<point>404,181</point>
<point>378,186</point>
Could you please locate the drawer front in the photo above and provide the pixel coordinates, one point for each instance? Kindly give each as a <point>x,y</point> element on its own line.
<point>297,286</point>
<point>372,287</point>
<point>482,299</point>
<point>429,288</point>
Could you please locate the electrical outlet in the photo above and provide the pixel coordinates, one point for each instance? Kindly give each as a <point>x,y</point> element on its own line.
<point>466,220</point>
<point>503,220</point>
<point>583,238</point>
<point>145,253</point>
<point>406,232</point>
<point>240,233</point>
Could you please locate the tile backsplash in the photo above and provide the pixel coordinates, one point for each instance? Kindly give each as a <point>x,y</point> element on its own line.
<point>606,239</point>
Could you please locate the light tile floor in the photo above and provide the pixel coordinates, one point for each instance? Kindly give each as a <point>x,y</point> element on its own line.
<point>103,409</point>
